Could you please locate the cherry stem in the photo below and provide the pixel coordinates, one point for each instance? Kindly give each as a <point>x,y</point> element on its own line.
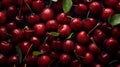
<point>93,28</point>
<point>25,65</point>
<point>28,6</point>
<point>14,65</point>
<point>88,13</point>
<point>8,34</point>
<point>70,17</point>
<point>45,40</point>
<point>28,51</point>
<point>77,56</point>
<point>93,40</point>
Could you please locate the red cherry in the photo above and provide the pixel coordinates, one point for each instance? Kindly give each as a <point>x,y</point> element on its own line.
<point>56,45</point>
<point>88,58</point>
<point>68,45</point>
<point>76,24</point>
<point>35,41</point>
<point>87,2</point>
<point>47,14</point>
<point>64,30</point>
<point>94,48</point>
<point>111,3</point>
<point>57,6</point>
<point>82,37</point>
<point>51,25</point>
<point>43,61</point>
<point>54,55</point>
<point>115,32</point>
<point>2,17</point>
<point>65,58</point>
<point>3,59</point>
<point>45,48</point>
<point>11,26</point>
<point>3,34</point>
<point>13,60</point>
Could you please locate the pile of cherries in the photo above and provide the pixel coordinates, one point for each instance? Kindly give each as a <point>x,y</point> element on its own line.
<point>38,33</point>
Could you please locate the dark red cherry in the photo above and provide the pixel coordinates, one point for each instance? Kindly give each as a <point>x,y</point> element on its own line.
<point>87,2</point>
<point>111,3</point>
<point>97,65</point>
<point>35,41</point>
<point>115,32</point>
<point>76,63</point>
<point>65,58</point>
<point>47,14</point>
<point>94,48</point>
<point>3,34</point>
<point>56,45</point>
<point>51,25</point>
<point>39,29</point>
<point>3,59</point>
<point>76,24</point>
<point>57,6</point>
<point>82,37</point>
<point>33,19</point>
<point>2,17</point>
<point>6,3</point>
<point>43,61</point>
<point>88,58</point>
<point>13,60</point>
<point>54,55</point>
<point>68,45</point>
<point>6,47</point>
<point>45,48</point>
<point>64,30</point>
<point>11,26</point>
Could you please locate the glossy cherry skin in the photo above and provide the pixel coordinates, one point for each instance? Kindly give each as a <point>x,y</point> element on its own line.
<point>3,34</point>
<point>35,41</point>
<point>89,24</point>
<point>2,17</point>
<point>115,32</point>
<point>51,25</point>
<point>56,45</point>
<point>76,24</point>
<point>38,5</point>
<point>63,18</point>
<point>33,19</point>
<point>65,58</point>
<point>88,58</point>
<point>57,6</point>
<point>79,49</point>
<point>103,58</point>
<point>106,13</point>
<point>47,14</point>
<point>95,8</point>
<point>13,60</point>
<point>68,45</point>
<point>94,48</point>
<point>45,48</point>
<point>64,30</point>
<point>39,29</point>
<point>6,47</point>
<point>111,3</point>
<point>97,65</point>
<point>11,26</point>
<point>3,59</point>
<point>80,10</point>
<point>24,46</point>
<point>43,61</point>
<point>82,37</point>
<point>17,35</point>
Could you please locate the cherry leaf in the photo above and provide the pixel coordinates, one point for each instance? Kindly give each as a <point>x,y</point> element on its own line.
<point>114,20</point>
<point>55,0</point>
<point>56,34</point>
<point>70,36</point>
<point>19,53</point>
<point>37,53</point>
<point>67,4</point>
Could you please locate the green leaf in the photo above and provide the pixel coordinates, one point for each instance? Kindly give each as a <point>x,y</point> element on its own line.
<point>67,4</point>
<point>56,34</point>
<point>114,20</point>
<point>55,0</point>
<point>19,53</point>
<point>70,36</point>
<point>37,53</point>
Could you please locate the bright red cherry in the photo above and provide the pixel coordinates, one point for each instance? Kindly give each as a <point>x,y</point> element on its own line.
<point>54,55</point>
<point>111,3</point>
<point>65,58</point>
<point>11,26</point>
<point>97,65</point>
<point>68,45</point>
<point>57,6</point>
<point>2,17</point>
<point>88,58</point>
<point>51,25</point>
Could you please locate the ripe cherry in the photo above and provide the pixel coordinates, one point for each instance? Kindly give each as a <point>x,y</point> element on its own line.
<point>54,55</point>
<point>2,17</point>
<point>56,45</point>
<point>3,34</point>
<point>88,58</point>
<point>13,60</point>
<point>65,58</point>
<point>111,3</point>
<point>51,25</point>
<point>3,59</point>
<point>11,26</point>
<point>115,32</point>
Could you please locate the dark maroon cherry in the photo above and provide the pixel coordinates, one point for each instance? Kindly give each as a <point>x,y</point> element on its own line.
<point>54,55</point>
<point>111,3</point>
<point>45,48</point>
<point>82,37</point>
<point>2,17</point>
<point>3,34</point>
<point>63,18</point>
<point>79,49</point>
<point>3,59</point>
<point>39,29</point>
<point>7,3</point>
<point>76,24</point>
<point>106,13</point>
<point>33,19</point>
<point>68,45</point>
<point>64,30</point>
<point>35,41</point>
<point>11,26</point>
<point>56,45</point>
<point>6,47</point>
<point>76,63</point>
<point>13,60</point>
<point>38,5</point>
<point>88,58</point>
<point>47,14</point>
<point>51,25</point>
<point>43,61</point>
<point>65,58</point>
<point>57,6</point>
<point>80,10</point>
<point>94,48</point>
<point>115,32</point>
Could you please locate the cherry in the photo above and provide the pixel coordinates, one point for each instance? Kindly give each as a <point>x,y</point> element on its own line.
<point>111,3</point>
<point>95,8</point>
<point>11,26</point>
<point>94,48</point>
<point>68,45</point>
<point>39,29</point>
<point>3,34</point>
<point>3,59</point>
<point>38,5</point>
<point>24,46</point>
<point>106,13</point>
<point>76,63</point>
<point>54,55</point>
<point>76,1</point>
<point>103,58</point>
<point>2,17</point>
<point>115,32</point>
<point>65,58</point>
<point>17,35</point>
<point>45,48</point>
<point>43,61</point>
<point>82,37</point>
<point>76,24</point>
<point>80,9</point>
<point>63,18</point>
<point>97,65</point>
<point>35,41</point>
<point>19,19</point>
<point>57,6</point>
<point>33,19</point>
<point>6,47</point>
<point>47,14</point>
<point>20,2</point>
<point>51,25</point>
<point>56,45</point>
<point>13,60</point>
<point>79,49</point>
<point>89,24</point>
<point>88,58</point>
<point>64,30</point>
<point>25,9</point>
<point>118,7</point>
<point>7,3</point>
